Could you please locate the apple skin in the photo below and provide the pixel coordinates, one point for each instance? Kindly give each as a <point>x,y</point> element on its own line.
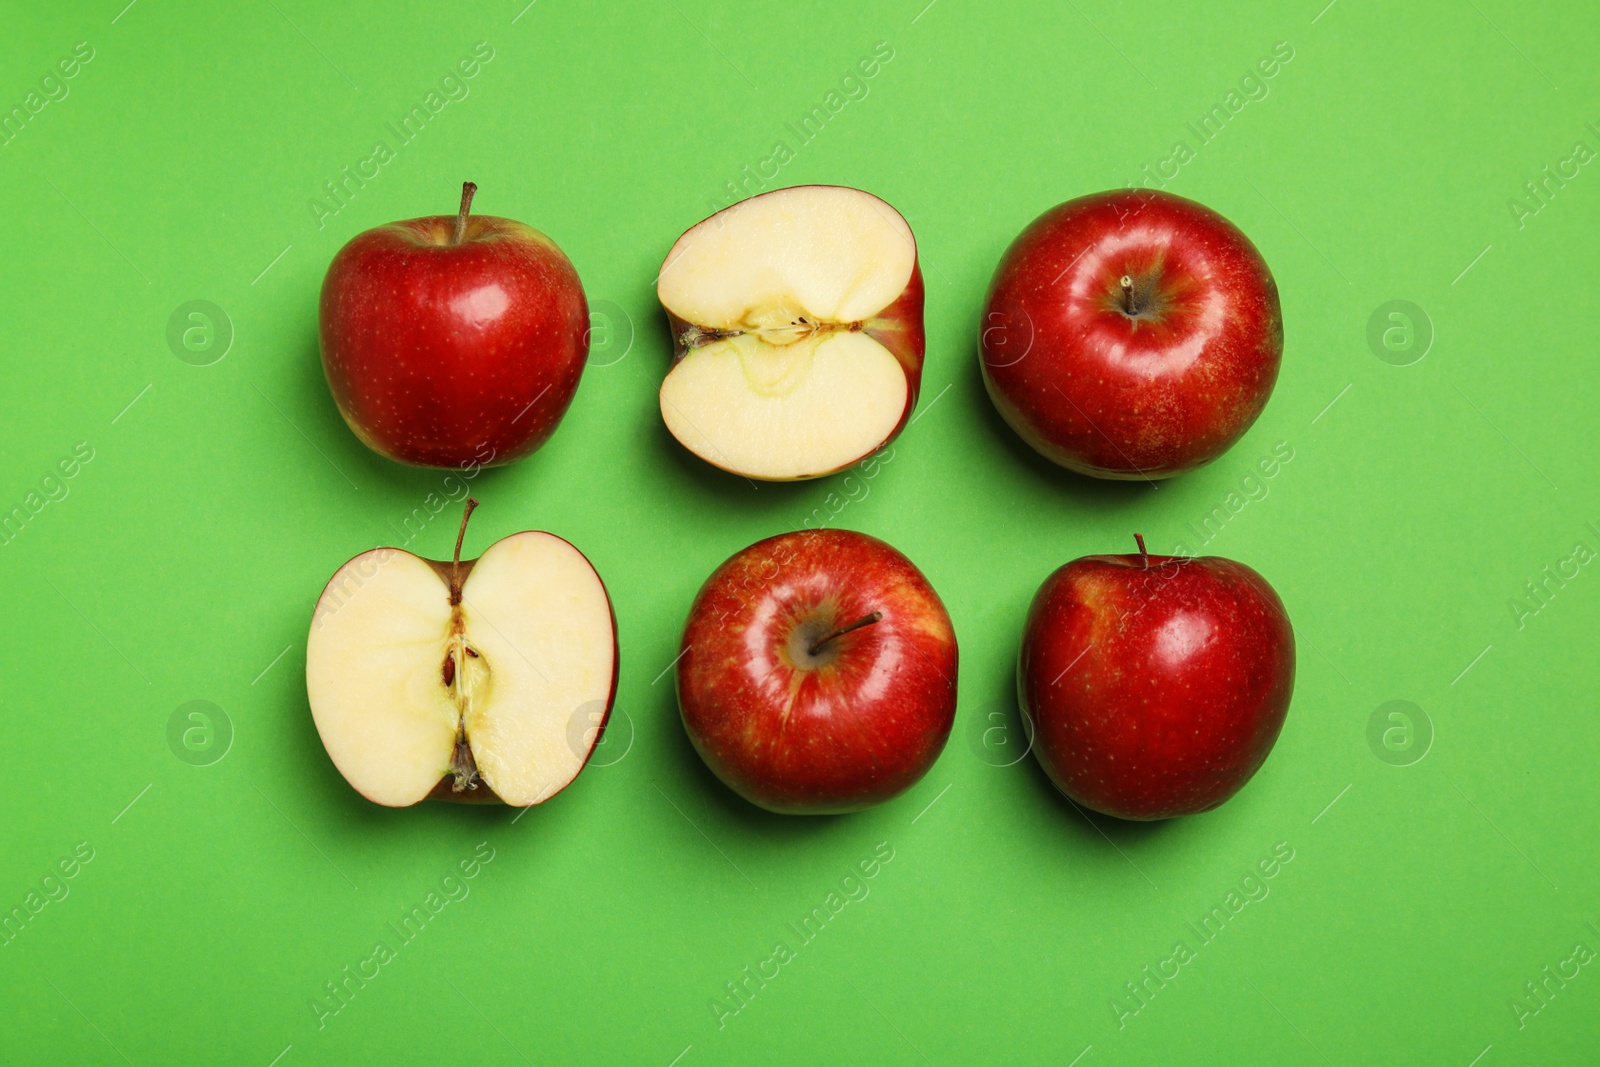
<point>839,736</point>
<point>1155,685</point>
<point>1147,396</point>
<point>446,355</point>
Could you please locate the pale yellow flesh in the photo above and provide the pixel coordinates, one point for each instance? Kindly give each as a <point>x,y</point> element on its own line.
<point>828,253</point>
<point>785,411</point>
<point>537,615</point>
<point>794,276</point>
<point>373,665</point>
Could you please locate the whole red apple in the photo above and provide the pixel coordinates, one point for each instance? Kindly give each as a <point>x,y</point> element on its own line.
<point>1131,334</point>
<point>453,341</point>
<point>1155,685</point>
<point>818,673</point>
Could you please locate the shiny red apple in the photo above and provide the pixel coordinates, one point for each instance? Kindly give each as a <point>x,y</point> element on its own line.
<point>1155,685</point>
<point>1131,335</point>
<point>453,341</point>
<point>818,673</point>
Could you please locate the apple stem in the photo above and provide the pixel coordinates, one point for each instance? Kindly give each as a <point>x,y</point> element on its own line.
<point>1127,295</point>
<point>455,559</point>
<point>467,189</point>
<point>1143,554</point>
<point>865,620</point>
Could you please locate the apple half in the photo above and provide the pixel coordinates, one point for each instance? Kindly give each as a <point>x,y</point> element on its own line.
<point>797,333</point>
<point>488,680</point>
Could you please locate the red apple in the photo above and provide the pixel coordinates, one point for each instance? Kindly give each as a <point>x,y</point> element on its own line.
<point>453,341</point>
<point>465,680</point>
<point>1155,685</point>
<point>818,673</point>
<point>796,322</point>
<point>1131,334</point>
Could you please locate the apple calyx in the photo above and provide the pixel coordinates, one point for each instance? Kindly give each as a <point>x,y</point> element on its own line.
<point>460,232</point>
<point>1144,555</point>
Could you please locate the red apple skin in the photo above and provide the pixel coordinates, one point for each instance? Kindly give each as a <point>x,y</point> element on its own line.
<point>856,731</point>
<point>442,355</point>
<point>1155,685</point>
<point>898,328</point>
<point>1146,396</point>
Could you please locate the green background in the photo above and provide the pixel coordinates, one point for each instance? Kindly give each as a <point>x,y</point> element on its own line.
<point>184,560</point>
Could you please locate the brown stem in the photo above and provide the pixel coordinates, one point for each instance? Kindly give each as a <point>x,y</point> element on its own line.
<point>467,189</point>
<point>1144,555</point>
<point>1127,295</point>
<point>455,560</point>
<point>865,620</point>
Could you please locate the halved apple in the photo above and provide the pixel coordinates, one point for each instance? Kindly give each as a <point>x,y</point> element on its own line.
<point>463,680</point>
<point>797,332</point>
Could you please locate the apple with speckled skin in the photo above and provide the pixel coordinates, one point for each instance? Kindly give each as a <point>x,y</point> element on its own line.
<point>453,341</point>
<point>1155,685</point>
<point>818,673</point>
<point>1131,335</point>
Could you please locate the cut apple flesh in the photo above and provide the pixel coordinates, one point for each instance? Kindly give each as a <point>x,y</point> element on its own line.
<point>782,412</point>
<point>508,685</point>
<point>776,302</point>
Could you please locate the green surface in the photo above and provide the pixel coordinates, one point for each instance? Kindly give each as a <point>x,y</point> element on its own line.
<point>182,561</point>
